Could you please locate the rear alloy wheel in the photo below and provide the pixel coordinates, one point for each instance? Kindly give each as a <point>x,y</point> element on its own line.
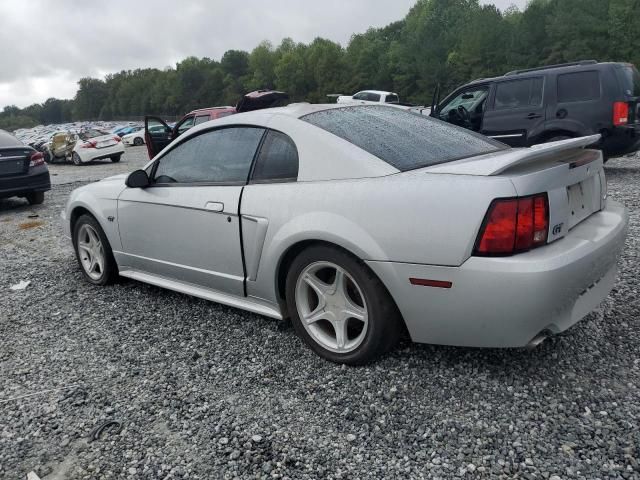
<point>116,159</point>
<point>137,141</point>
<point>75,158</point>
<point>93,251</point>
<point>339,307</point>
<point>35,198</point>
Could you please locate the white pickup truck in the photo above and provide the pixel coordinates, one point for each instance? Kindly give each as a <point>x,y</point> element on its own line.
<point>370,96</point>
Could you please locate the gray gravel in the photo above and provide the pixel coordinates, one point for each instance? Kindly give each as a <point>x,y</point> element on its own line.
<point>205,391</point>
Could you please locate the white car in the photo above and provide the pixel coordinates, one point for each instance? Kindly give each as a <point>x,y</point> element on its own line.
<point>370,96</point>
<point>95,145</point>
<point>134,138</point>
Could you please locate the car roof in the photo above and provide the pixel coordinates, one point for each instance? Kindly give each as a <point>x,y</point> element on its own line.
<point>379,92</point>
<point>535,72</point>
<point>209,109</point>
<point>8,140</point>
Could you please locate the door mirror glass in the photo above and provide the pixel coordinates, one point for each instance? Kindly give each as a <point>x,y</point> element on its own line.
<point>137,179</point>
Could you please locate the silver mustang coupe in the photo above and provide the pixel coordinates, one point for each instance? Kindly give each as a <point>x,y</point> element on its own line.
<point>360,223</point>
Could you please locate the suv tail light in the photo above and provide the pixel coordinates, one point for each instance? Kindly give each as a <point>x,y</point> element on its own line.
<point>37,158</point>
<point>514,225</point>
<point>620,113</point>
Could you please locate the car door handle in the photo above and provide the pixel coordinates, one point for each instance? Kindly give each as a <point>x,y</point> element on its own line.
<point>214,206</point>
<point>531,116</point>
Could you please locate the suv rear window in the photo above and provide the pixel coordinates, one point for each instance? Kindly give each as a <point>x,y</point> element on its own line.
<point>403,139</point>
<point>579,86</point>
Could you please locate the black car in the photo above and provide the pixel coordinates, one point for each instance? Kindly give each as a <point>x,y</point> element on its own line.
<point>23,172</point>
<point>538,105</point>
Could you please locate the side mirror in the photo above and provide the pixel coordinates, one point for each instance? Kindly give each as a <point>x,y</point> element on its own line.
<point>138,179</point>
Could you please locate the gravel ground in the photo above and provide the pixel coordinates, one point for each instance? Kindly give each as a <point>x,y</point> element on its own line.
<point>205,391</point>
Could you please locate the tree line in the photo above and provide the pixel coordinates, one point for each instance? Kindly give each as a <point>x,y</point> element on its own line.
<point>445,42</point>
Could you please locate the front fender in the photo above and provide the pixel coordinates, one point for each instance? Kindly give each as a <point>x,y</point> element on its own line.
<point>102,204</point>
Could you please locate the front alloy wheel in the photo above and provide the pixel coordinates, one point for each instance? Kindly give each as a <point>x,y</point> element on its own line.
<point>93,251</point>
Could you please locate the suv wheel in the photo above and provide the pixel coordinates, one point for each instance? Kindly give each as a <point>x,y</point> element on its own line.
<point>339,307</point>
<point>35,198</point>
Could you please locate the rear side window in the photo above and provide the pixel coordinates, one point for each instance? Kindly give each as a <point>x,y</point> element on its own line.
<point>392,99</point>
<point>277,160</point>
<point>201,119</point>
<point>579,86</point>
<point>630,79</point>
<point>403,139</point>
<point>519,93</point>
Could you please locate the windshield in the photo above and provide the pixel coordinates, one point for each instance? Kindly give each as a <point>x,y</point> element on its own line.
<point>630,80</point>
<point>403,139</point>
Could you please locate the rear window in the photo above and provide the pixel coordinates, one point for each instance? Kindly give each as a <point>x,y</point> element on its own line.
<point>630,79</point>
<point>579,86</point>
<point>403,139</point>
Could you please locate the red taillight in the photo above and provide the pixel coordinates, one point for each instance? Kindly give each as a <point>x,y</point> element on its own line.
<point>514,225</point>
<point>620,113</point>
<point>89,144</point>
<point>37,158</point>
<point>117,138</point>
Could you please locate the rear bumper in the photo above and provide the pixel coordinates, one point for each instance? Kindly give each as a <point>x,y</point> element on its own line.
<point>37,180</point>
<point>622,140</point>
<point>507,301</point>
<point>91,154</point>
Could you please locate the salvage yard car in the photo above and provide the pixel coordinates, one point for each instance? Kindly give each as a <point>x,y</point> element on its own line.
<point>359,222</point>
<point>23,172</point>
<point>95,144</point>
<point>158,134</point>
<point>556,102</point>
<point>369,97</point>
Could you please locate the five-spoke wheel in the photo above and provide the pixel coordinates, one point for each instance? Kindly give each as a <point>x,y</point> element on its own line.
<point>93,251</point>
<point>339,307</point>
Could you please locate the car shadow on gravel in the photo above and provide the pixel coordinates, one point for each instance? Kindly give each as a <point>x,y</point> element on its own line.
<point>16,205</point>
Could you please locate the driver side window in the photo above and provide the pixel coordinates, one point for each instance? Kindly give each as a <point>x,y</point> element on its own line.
<point>186,124</point>
<point>217,156</point>
<point>472,100</point>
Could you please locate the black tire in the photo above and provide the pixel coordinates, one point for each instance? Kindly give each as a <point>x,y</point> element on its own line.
<point>35,198</point>
<point>137,141</point>
<point>75,158</point>
<point>384,321</point>
<point>116,159</point>
<point>110,272</point>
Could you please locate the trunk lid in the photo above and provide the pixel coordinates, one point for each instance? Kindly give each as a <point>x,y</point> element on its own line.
<point>14,161</point>
<point>572,177</point>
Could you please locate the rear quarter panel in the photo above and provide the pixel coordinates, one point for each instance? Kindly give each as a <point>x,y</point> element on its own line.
<point>411,217</point>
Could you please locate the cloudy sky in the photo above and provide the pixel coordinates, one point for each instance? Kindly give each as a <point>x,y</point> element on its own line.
<point>48,46</point>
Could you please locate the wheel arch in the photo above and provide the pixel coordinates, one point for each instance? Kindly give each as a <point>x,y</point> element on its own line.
<point>289,255</point>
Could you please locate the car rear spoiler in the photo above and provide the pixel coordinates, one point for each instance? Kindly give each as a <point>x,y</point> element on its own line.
<point>495,164</point>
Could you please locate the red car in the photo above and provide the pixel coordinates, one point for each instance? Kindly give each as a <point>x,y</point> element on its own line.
<point>158,134</point>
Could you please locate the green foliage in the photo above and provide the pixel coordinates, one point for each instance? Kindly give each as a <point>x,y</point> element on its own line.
<point>439,41</point>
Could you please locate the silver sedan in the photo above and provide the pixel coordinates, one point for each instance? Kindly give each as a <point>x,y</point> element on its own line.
<point>361,223</point>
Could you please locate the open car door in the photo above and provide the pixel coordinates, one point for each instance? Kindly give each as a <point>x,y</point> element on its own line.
<point>262,99</point>
<point>157,135</point>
